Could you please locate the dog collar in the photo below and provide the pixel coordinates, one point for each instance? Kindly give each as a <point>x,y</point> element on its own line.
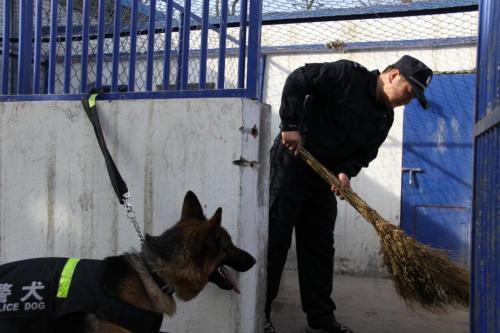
<point>160,282</point>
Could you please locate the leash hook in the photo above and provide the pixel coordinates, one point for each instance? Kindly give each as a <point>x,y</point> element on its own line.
<point>132,216</point>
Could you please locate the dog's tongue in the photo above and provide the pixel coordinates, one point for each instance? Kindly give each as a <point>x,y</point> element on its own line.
<point>230,279</point>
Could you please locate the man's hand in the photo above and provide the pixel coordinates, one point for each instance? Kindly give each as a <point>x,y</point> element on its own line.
<point>291,140</point>
<point>345,183</point>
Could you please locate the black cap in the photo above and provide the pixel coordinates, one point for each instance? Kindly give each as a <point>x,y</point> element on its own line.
<point>418,74</point>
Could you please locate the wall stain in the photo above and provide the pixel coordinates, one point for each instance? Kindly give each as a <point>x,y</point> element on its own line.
<point>51,189</point>
<point>69,114</point>
<point>114,230</point>
<point>441,135</point>
<point>148,178</point>
<point>86,201</point>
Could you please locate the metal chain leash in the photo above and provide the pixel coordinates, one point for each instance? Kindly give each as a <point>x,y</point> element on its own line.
<point>132,217</point>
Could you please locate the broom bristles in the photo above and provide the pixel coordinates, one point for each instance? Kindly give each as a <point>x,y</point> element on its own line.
<point>424,277</point>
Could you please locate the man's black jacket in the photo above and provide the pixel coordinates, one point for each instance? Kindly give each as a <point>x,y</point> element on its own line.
<point>333,106</point>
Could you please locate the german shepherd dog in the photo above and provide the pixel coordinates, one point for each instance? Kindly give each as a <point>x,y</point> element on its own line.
<point>125,293</point>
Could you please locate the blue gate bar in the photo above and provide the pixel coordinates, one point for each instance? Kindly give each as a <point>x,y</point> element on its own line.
<point>168,45</point>
<point>6,50</point>
<point>204,44</point>
<point>186,24</point>
<point>198,19</point>
<point>255,19</point>
<point>69,42</point>
<point>37,47</point>
<point>100,45</point>
<point>25,54</point>
<point>133,47</point>
<point>53,45</point>
<point>222,45</point>
<point>151,46</point>
<point>243,43</point>
<point>85,45</point>
<point>116,46</point>
<point>262,71</point>
<point>485,278</point>
<point>179,54</point>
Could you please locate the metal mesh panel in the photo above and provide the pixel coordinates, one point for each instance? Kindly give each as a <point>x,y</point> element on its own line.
<point>326,27</point>
<point>373,30</point>
<point>141,45</point>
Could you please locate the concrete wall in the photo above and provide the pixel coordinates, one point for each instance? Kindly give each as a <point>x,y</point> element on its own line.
<point>356,242</point>
<point>56,198</point>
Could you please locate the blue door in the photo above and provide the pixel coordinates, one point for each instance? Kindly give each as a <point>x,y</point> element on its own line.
<point>436,198</point>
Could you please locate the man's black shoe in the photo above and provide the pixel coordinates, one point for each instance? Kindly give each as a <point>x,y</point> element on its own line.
<point>334,328</point>
<point>326,324</point>
<point>268,326</point>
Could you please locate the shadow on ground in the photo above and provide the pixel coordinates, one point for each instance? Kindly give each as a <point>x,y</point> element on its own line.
<point>367,305</point>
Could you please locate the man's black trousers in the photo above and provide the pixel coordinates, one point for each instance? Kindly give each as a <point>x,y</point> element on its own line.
<point>300,198</point>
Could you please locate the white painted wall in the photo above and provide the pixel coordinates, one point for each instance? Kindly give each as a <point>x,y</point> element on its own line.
<point>356,242</point>
<point>56,198</point>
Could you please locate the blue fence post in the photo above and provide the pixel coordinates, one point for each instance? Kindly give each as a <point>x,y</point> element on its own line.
<point>243,43</point>
<point>181,49</point>
<point>168,44</point>
<point>221,71</point>
<point>53,45</point>
<point>204,43</point>
<point>100,46</point>
<point>116,46</point>
<point>133,47</point>
<point>262,72</point>
<point>485,277</point>
<point>151,45</point>
<point>186,30</point>
<point>25,54</point>
<point>85,45</point>
<point>69,42</point>
<point>37,47</point>
<point>6,45</point>
<point>255,23</point>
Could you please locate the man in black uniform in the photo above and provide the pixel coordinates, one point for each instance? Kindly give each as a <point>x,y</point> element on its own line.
<point>341,113</point>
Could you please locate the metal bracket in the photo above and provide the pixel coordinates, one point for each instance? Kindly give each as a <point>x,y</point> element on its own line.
<point>254,131</point>
<point>244,162</point>
<point>412,172</point>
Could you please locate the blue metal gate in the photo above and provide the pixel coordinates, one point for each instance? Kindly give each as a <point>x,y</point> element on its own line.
<point>437,166</point>
<point>129,49</point>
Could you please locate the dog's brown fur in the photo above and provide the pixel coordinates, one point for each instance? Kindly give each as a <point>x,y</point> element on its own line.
<point>201,246</point>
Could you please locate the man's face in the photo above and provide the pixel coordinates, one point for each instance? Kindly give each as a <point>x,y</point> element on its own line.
<point>397,90</point>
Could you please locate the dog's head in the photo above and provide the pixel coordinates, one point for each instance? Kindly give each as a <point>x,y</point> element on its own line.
<point>195,251</point>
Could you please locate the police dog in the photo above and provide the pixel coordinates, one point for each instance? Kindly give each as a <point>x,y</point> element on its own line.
<point>125,293</point>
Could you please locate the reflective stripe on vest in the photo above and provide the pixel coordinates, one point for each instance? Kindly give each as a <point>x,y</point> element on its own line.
<point>66,277</point>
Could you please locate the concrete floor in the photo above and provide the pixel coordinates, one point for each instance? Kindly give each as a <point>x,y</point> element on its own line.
<point>367,305</point>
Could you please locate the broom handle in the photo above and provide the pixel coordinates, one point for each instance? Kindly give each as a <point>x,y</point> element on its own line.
<point>352,198</point>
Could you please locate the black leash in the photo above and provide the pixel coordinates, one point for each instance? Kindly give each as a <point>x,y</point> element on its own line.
<point>117,181</point>
<point>119,185</point>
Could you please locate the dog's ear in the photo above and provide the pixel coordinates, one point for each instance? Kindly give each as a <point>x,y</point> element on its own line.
<point>191,207</point>
<point>148,239</point>
<point>216,219</point>
<point>213,235</point>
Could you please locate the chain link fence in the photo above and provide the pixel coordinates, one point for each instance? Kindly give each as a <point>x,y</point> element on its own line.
<point>231,43</point>
<point>324,29</point>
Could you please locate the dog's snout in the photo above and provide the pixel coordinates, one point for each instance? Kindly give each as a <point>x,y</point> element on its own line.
<point>239,259</point>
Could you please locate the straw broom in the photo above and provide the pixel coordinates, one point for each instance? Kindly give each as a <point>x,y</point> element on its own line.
<point>423,277</point>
